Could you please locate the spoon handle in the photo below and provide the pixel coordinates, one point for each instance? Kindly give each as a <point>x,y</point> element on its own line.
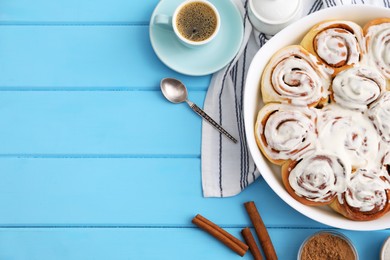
<point>203,114</point>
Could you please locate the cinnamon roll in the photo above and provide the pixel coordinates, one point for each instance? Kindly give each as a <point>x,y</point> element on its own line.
<point>357,87</point>
<point>339,44</point>
<point>348,134</point>
<point>315,180</point>
<point>284,132</point>
<point>366,196</point>
<point>379,113</point>
<point>377,35</point>
<point>294,76</point>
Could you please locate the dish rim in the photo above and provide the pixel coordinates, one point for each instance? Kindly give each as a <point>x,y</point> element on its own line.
<point>252,102</point>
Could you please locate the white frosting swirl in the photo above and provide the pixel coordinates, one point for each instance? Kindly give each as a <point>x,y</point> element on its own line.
<point>337,47</point>
<point>286,132</point>
<point>379,113</point>
<point>378,47</point>
<point>349,135</point>
<point>294,76</point>
<point>358,87</point>
<point>367,190</point>
<point>318,177</point>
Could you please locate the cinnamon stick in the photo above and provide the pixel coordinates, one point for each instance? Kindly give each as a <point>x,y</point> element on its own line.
<point>261,231</point>
<point>222,235</point>
<point>251,242</point>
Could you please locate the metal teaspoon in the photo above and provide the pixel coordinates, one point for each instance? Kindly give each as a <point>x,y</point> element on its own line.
<point>176,92</point>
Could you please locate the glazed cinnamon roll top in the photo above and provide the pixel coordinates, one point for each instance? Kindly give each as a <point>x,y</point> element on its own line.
<point>367,190</point>
<point>284,132</point>
<point>295,77</point>
<point>377,35</point>
<point>366,196</point>
<point>338,44</point>
<point>349,135</point>
<point>317,177</point>
<point>357,87</point>
<point>379,113</point>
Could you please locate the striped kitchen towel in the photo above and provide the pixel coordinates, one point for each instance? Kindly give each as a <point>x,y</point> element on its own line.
<point>228,168</point>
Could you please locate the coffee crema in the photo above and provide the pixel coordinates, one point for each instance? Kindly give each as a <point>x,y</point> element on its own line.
<point>196,21</point>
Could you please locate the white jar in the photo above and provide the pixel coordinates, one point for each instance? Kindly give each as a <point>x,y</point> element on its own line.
<point>271,16</point>
<point>385,252</point>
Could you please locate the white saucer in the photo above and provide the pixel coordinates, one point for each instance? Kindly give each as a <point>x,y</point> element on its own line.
<point>198,61</point>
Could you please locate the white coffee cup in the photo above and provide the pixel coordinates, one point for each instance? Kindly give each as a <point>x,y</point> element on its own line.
<point>271,16</point>
<point>171,22</point>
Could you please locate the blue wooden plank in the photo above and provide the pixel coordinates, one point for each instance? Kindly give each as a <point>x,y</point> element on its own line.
<point>76,11</point>
<point>155,243</point>
<point>115,57</point>
<point>123,123</point>
<point>135,192</point>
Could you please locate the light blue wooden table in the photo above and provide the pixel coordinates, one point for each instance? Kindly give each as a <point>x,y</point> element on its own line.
<point>94,163</point>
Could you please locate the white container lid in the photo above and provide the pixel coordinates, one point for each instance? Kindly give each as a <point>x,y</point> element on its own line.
<point>275,11</point>
<point>385,252</point>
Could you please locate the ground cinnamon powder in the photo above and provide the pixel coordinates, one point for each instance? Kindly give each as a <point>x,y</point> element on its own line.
<point>326,246</point>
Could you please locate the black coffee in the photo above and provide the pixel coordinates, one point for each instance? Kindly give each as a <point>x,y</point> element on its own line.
<point>196,21</point>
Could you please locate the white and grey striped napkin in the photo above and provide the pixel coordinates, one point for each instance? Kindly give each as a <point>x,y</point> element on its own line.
<point>228,168</point>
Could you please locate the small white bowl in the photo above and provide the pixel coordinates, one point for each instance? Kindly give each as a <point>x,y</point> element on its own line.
<point>385,251</point>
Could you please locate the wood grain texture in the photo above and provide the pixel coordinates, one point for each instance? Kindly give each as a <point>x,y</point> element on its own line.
<point>136,123</point>
<point>106,11</point>
<point>124,192</point>
<point>153,243</point>
<point>94,162</point>
<point>83,57</point>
